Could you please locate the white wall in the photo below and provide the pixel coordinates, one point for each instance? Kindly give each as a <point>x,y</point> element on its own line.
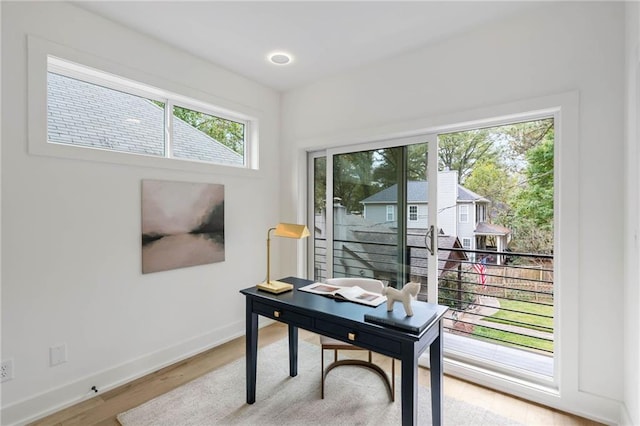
<point>71,229</point>
<point>553,49</point>
<point>631,414</point>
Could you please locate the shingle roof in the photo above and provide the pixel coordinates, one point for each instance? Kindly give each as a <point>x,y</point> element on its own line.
<point>465,194</point>
<point>376,245</point>
<point>417,191</point>
<point>484,228</point>
<point>85,114</point>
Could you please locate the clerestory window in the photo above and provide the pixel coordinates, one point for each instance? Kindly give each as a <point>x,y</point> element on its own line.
<point>90,109</point>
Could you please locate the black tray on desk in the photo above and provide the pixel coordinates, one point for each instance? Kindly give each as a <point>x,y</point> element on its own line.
<point>423,314</point>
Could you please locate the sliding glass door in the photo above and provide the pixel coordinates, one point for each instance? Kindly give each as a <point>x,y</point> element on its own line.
<point>472,223</point>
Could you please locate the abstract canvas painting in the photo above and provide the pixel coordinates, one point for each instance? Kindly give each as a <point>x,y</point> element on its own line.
<point>182,224</point>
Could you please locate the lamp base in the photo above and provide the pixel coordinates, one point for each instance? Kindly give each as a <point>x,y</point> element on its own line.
<point>275,287</point>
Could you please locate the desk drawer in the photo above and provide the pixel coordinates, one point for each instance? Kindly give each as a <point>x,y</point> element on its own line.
<point>283,315</point>
<point>357,337</point>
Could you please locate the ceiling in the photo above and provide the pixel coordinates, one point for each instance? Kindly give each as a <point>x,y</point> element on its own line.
<point>324,37</point>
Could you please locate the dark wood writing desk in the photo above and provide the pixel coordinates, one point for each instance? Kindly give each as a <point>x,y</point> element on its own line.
<point>345,321</point>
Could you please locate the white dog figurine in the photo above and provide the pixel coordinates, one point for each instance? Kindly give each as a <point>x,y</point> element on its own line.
<point>408,292</point>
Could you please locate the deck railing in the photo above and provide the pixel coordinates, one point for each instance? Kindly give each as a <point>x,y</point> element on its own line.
<point>509,303</point>
<point>501,297</point>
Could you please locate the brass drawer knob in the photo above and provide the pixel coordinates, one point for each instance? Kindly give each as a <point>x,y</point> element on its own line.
<point>351,336</point>
<point>276,314</point>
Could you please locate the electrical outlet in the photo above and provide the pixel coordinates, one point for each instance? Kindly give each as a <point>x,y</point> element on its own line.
<point>57,355</point>
<point>6,370</point>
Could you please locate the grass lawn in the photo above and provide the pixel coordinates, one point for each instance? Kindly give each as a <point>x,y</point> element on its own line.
<point>528,316</point>
<point>512,338</point>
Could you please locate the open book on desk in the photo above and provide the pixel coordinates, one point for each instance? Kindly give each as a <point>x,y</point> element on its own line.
<point>351,294</point>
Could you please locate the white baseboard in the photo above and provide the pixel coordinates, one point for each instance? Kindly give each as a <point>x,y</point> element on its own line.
<point>53,400</point>
<point>625,416</point>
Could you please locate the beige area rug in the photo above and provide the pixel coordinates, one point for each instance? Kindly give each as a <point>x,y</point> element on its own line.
<point>353,396</point>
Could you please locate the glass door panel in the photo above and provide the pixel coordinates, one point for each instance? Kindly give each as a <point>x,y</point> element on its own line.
<point>496,208</point>
<point>418,222</point>
<point>366,213</point>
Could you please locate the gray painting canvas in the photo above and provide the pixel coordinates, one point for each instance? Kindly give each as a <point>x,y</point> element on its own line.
<point>182,224</point>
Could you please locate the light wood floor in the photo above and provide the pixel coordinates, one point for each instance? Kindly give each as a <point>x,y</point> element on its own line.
<point>103,408</point>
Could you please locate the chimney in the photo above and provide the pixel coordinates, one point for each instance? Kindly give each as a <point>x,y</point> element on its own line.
<point>339,219</point>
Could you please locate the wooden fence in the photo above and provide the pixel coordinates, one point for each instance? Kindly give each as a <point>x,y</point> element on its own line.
<point>530,283</point>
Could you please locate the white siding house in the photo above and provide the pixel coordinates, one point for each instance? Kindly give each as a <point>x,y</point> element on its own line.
<point>461,212</point>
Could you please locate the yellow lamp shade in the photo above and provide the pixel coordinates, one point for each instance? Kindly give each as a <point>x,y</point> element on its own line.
<point>291,230</point>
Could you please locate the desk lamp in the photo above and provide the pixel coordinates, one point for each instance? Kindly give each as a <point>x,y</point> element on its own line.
<point>287,230</point>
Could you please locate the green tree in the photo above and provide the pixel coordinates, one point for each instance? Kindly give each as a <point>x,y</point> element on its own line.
<point>417,161</point>
<point>524,136</point>
<point>227,132</point>
<point>512,166</point>
<point>462,150</point>
<point>320,183</point>
<point>535,201</point>
<point>494,183</point>
<point>388,164</point>
<point>532,218</point>
<point>528,237</point>
<point>353,179</point>
<point>517,139</point>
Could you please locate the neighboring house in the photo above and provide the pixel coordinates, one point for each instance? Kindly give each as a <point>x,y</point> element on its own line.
<point>89,115</point>
<point>461,212</point>
<point>365,249</point>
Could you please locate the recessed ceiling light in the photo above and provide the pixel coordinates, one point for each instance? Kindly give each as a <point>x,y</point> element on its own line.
<point>280,58</point>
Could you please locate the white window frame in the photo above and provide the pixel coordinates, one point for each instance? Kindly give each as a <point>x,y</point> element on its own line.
<point>466,246</point>
<point>409,208</point>
<point>481,212</point>
<point>463,211</point>
<point>137,83</point>
<point>391,213</point>
<point>170,100</point>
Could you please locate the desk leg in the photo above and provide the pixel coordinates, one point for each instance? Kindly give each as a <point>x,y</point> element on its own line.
<point>435,359</point>
<point>293,351</point>
<point>409,395</point>
<point>251,350</point>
